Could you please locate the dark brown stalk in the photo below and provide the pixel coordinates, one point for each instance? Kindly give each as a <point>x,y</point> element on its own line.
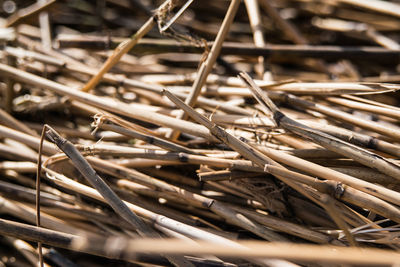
<point>248,49</point>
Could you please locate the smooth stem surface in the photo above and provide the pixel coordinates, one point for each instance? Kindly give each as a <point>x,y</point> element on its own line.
<point>207,66</point>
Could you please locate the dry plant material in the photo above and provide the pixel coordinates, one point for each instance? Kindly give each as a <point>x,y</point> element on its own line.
<point>207,65</point>
<point>97,182</point>
<point>25,13</point>
<point>173,159</point>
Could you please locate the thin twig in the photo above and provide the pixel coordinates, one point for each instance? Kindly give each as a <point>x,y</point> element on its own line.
<point>254,15</point>
<point>38,174</point>
<point>123,48</point>
<point>207,65</point>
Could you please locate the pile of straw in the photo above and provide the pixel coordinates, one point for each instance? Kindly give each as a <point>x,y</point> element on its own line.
<point>199,133</point>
